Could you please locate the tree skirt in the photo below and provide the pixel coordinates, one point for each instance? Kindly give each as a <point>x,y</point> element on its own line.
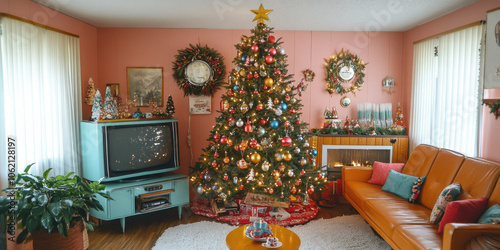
<point>345,232</point>
<point>299,214</point>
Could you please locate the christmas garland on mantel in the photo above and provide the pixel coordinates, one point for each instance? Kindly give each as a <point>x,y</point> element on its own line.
<point>357,131</point>
<point>210,56</point>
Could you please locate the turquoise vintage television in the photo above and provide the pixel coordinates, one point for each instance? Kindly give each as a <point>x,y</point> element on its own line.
<point>129,150</point>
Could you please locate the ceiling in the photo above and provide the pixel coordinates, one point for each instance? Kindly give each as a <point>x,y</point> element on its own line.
<point>325,15</point>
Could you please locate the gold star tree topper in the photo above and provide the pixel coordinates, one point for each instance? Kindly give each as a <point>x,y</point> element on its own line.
<point>261,14</point>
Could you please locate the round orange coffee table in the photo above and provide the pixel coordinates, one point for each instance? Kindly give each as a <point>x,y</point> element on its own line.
<point>236,239</point>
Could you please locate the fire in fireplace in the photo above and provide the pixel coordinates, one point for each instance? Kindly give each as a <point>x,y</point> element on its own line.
<point>355,155</point>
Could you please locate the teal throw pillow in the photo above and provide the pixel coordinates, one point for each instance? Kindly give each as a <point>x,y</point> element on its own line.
<point>400,184</point>
<point>449,194</point>
<point>491,216</point>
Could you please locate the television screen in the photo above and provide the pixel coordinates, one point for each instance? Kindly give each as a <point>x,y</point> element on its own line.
<point>135,148</point>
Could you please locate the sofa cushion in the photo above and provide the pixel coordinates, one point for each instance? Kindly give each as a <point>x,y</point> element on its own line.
<point>417,236</point>
<point>463,211</point>
<point>420,160</point>
<point>381,171</point>
<point>477,178</point>
<point>358,192</point>
<point>390,213</point>
<point>491,216</point>
<point>442,173</point>
<point>449,194</point>
<point>400,184</point>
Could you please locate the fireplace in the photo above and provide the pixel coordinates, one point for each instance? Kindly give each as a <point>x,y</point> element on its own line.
<point>355,155</point>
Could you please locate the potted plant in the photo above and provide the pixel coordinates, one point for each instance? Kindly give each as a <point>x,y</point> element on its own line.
<point>55,205</point>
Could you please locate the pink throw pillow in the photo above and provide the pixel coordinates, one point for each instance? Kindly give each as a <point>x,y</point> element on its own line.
<point>381,171</point>
<point>463,211</point>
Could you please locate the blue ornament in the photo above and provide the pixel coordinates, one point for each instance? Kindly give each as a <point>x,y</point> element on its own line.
<point>236,87</point>
<point>283,106</point>
<point>215,187</point>
<point>243,58</point>
<point>314,152</point>
<point>274,124</point>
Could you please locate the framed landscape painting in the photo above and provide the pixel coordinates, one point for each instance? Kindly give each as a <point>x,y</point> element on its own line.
<point>145,86</point>
<point>492,62</point>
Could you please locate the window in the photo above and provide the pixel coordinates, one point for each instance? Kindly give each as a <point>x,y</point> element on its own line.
<point>445,91</point>
<point>41,96</point>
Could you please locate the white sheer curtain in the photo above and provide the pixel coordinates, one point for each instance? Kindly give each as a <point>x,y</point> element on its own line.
<point>42,96</point>
<point>445,91</point>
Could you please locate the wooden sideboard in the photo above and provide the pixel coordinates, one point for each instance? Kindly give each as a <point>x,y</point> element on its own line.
<point>399,144</point>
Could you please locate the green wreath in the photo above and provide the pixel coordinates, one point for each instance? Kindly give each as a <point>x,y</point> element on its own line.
<point>212,57</point>
<point>335,64</point>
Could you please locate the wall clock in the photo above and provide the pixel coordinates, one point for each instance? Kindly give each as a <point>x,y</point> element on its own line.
<point>198,72</point>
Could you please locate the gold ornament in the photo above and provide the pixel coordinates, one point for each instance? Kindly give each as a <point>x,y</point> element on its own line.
<point>276,101</point>
<point>255,158</point>
<point>243,145</point>
<point>278,156</point>
<point>265,166</point>
<point>226,159</point>
<point>288,89</point>
<point>261,14</point>
<point>287,156</point>
<point>269,82</point>
<point>244,108</point>
<point>229,142</point>
<point>243,72</point>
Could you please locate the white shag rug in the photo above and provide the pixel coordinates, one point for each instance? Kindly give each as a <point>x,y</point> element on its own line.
<point>346,232</point>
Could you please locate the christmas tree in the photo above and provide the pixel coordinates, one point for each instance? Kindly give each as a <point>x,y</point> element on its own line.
<point>258,143</point>
<point>170,109</point>
<point>399,124</point>
<point>97,107</point>
<point>110,110</point>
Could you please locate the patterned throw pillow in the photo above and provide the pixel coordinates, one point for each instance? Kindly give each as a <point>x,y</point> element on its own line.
<point>491,216</point>
<point>415,190</point>
<point>449,193</point>
<point>381,171</point>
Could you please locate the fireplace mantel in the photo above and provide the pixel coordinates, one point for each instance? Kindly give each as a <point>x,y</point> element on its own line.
<point>399,144</point>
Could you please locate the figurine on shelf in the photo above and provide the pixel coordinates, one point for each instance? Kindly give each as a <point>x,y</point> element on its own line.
<point>138,114</point>
<point>335,115</point>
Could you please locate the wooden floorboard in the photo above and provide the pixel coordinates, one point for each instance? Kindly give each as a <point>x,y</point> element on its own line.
<point>142,231</point>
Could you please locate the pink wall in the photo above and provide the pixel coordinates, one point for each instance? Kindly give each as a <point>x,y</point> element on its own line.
<point>469,14</point>
<point>88,34</point>
<point>118,49</point>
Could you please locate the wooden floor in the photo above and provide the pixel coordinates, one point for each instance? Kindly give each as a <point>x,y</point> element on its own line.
<point>142,231</point>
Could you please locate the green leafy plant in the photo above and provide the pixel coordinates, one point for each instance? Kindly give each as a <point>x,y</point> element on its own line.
<point>55,203</point>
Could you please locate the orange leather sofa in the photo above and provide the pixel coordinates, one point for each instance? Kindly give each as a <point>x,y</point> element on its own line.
<point>404,225</point>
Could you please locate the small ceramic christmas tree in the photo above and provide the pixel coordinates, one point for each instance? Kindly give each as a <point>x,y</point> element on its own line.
<point>96,107</point>
<point>89,98</point>
<point>110,110</point>
<point>399,124</point>
<point>170,109</point>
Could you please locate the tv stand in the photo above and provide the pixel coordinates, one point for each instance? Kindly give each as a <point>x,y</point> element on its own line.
<point>144,196</point>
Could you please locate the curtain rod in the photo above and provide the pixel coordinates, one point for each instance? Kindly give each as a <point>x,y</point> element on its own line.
<point>451,31</point>
<point>38,24</point>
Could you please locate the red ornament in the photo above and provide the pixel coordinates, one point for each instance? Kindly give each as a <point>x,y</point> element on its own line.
<point>229,92</point>
<point>297,122</point>
<point>293,111</point>
<point>298,182</point>
<point>287,98</point>
<point>231,110</point>
<point>253,143</point>
<point>226,177</point>
<point>242,91</point>
<point>287,124</point>
<point>294,190</point>
<point>262,122</point>
<point>271,191</point>
<point>254,48</point>
<point>277,72</point>
<point>271,39</point>
<point>256,75</point>
<point>223,139</point>
<point>279,182</point>
<point>248,127</point>
<point>320,175</point>
<point>302,172</point>
<point>269,59</point>
<point>216,155</point>
<point>249,76</point>
<point>242,187</point>
<point>216,137</point>
<point>214,164</point>
<point>286,141</point>
<point>272,51</point>
<point>310,190</point>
